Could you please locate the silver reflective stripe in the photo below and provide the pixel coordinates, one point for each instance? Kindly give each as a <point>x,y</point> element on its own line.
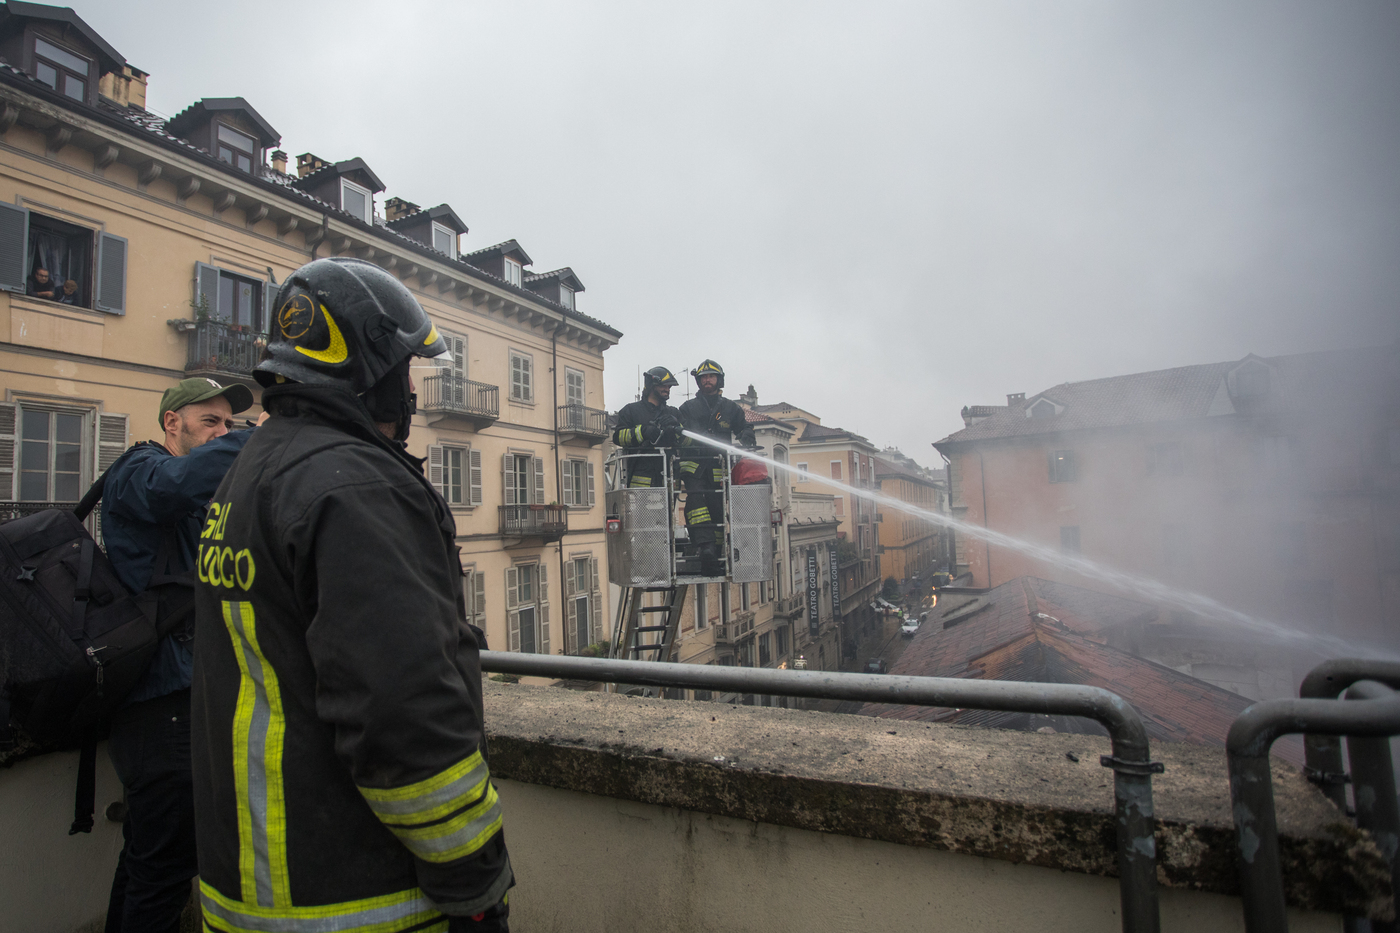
<point>257,760</point>
<point>425,848</point>
<point>398,914</point>
<point>436,798</point>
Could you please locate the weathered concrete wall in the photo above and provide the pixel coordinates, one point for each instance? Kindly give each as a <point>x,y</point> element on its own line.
<point>590,864</point>
<point>51,882</point>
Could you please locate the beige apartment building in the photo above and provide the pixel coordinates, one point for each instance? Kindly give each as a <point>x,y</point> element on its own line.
<point>175,234</point>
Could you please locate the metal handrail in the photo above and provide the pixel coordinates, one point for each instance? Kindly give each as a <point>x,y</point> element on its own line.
<point>1130,761</point>
<point>532,520</point>
<point>446,392</point>
<point>1323,753</point>
<point>12,510</point>
<point>1251,736</point>
<point>581,419</point>
<point>217,346</point>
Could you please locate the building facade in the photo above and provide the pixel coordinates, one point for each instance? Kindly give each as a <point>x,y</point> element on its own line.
<point>909,543</point>
<point>1270,485</point>
<point>175,235</point>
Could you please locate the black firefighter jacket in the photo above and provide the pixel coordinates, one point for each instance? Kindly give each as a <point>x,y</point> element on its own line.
<point>341,781</point>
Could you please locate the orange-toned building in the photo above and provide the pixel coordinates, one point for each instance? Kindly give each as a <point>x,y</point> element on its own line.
<point>1270,485</point>
<point>909,543</point>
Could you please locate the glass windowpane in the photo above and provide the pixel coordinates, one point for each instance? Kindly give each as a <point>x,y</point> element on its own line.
<point>65,487</point>
<point>66,59</point>
<point>48,74</point>
<point>33,487</point>
<point>527,630</point>
<point>244,314</point>
<point>226,154</point>
<point>235,138</point>
<point>70,428</point>
<point>34,457</point>
<point>36,425</point>
<point>226,290</point>
<point>75,88</point>
<point>245,164</point>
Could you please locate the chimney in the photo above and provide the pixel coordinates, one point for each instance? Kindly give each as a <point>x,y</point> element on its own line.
<point>279,161</point>
<point>394,208</point>
<point>749,398</point>
<point>126,87</point>
<point>1015,398</point>
<point>308,163</point>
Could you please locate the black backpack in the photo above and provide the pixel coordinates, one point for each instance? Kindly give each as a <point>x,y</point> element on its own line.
<point>73,641</point>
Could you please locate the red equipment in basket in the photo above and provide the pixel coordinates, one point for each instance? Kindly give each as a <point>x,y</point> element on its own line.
<point>748,472</point>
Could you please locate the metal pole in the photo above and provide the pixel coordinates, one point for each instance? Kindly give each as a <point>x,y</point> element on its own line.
<point>1373,786</point>
<point>1130,761</point>
<point>1252,791</point>
<point>1324,752</point>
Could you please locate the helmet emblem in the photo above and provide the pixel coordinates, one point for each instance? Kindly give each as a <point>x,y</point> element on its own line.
<point>296,316</point>
<point>336,352</point>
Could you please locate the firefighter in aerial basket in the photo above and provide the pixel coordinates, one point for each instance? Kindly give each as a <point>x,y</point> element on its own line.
<point>647,427</point>
<point>340,761</point>
<point>712,415</point>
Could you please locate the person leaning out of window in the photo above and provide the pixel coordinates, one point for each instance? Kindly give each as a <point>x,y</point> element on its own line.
<point>69,294</point>
<point>41,285</point>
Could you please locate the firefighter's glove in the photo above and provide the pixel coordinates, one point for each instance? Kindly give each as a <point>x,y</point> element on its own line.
<point>670,436</point>
<point>493,920</point>
<point>652,434</point>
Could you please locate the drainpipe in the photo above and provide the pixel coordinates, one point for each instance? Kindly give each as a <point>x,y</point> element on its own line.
<point>558,477</point>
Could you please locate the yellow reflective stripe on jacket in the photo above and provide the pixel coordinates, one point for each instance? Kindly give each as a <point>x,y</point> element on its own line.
<point>445,792</point>
<point>389,913</point>
<point>698,516</point>
<point>460,836</point>
<point>416,813</point>
<point>689,466</point>
<point>259,732</point>
<point>718,474</point>
<point>639,480</point>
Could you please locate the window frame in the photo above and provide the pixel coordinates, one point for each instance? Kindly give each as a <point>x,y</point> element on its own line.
<point>1064,466</point>
<point>528,382</point>
<point>538,602</point>
<point>513,271</point>
<point>359,189</point>
<point>566,296</point>
<point>451,239</point>
<point>570,375</point>
<point>62,71</point>
<point>576,480</point>
<point>253,153</point>
<point>85,446</point>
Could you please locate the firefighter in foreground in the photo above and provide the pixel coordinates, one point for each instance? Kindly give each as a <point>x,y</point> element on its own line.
<point>341,779</point>
<point>712,415</point>
<point>647,425</point>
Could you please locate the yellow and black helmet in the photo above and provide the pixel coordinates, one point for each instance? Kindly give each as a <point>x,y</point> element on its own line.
<point>657,376</point>
<point>344,322</point>
<point>707,368</point>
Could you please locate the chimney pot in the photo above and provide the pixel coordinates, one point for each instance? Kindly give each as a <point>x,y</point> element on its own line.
<point>308,163</point>
<point>394,208</point>
<point>279,161</point>
<point>1013,397</point>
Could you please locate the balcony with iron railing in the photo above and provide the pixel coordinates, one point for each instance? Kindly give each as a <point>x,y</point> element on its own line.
<point>220,349</point>
<point>443,395</point>
<point>578,422</point>
<point>548,522</point>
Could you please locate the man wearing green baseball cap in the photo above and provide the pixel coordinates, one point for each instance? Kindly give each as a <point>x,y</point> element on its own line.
<point>153,505</point>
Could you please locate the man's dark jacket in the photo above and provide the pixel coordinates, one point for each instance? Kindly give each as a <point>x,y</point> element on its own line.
<point>637,415</point>
<point>717,417</point>
<point>339,756</point>
<point>148,490</point>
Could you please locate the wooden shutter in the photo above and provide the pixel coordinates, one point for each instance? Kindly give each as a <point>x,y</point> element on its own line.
<point>111,441</point>
<point>111,274</point>
<point>479,598</point>
<point>512,610</point>
<point>537,496</point>
<point>9,432</point>
<point>566,480</point>
<point>527,379</point>
<point>14,247</point>
<point>571,645</point>
<point>474,477</point>
<point>458,346</point>
<point>269,290</point>
<point>588,489</point>
<point>570,583</point>
<point>544,619</point>
<point>206,285</point>
<point>436,473</point>
<point>508,479</point>
<point>595,600</point>
<point>468,588</point>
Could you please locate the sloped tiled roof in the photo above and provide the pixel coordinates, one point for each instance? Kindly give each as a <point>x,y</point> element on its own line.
<point>818,432</point>
<point>1034,630</point>
<point>1300,381</point>
<point>885,469</point>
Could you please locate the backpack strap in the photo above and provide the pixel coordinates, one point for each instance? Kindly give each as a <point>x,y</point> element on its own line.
<point>90,498</point>
<point>85,798</point>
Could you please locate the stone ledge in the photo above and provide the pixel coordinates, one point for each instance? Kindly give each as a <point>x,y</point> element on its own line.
<point>1014,796</point>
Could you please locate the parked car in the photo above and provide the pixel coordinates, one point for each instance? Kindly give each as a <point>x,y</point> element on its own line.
<point>876,666</point>
<point>910,626</point>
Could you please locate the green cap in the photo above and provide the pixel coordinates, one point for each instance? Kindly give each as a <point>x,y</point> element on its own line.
<point>199,389</point>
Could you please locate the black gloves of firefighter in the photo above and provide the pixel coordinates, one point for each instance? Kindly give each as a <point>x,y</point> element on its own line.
<point>651,434</point>
<point>493,920</point>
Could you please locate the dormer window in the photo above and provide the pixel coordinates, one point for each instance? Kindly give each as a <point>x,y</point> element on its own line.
<point>61,70</point>
<point>356,200</point>
<point>512,272</point>
<point>444,240</point>
<point>566,297</point>
<point>236,149</point>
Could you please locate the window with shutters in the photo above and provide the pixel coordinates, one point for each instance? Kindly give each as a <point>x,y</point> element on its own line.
<point>52,453</point>
<point>59,264</point>
<point>474,587</point>
<point>522,377</point>
<point>523,479</point>
<point>456,472</point>
<point>229,298</point>
<point>573,387</point>
<point>584,601</point>
<point>527,608</point>
<point>576,476</point>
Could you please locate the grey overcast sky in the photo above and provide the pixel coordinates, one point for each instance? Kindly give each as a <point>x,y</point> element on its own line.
<point>877,211</point>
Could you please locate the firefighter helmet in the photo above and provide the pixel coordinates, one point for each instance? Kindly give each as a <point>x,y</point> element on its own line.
<point>709,368</point>
<point>657,376</point>
<point>344,322</point>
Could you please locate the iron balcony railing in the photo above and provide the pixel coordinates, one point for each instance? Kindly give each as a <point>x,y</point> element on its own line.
<point>9,511</point>
<point>527,521</point>
<point>1132,765</point>
<point>579,419</point>
<point>449,393</point>
<point>224,348</point>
